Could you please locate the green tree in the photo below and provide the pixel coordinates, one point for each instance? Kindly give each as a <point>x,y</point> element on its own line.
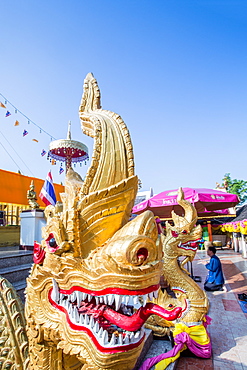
<point>234,186</point>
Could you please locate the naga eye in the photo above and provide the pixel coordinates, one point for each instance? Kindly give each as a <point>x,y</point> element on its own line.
<point>170,305</point>
<point>52,243</point>
<point>184,232</point>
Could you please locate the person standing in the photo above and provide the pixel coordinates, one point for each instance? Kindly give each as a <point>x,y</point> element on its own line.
<point>215,278</point>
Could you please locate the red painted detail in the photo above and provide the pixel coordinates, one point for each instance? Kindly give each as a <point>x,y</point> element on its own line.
<point>135,322</point>
<point>38,254</point>
<point>174,234</point>
<point>142,254</point>
<point>111,291</point>
<point>124,348</point>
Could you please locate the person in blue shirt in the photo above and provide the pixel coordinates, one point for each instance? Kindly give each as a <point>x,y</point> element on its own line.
<point>215,278</point>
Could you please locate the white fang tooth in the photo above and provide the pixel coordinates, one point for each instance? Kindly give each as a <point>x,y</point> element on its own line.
<point>96,327</point>
<point>126,339</point>
<point>66,304</point>
<point>118,301</point>
<point>84,296</point>
<point>113,340</point>
<point>101,299</point>
<point>156,293</point>
<point>61,296</point>
<point>131,300</point>
<point>127,298</point>
<point>55,291</point>
<point>69,308</point>
<point>91,323</point>
<point>132,335</point>
<point>100,332</point>
<point>81,319</point>
<point>105,337</point>
<point>78,298</point>
<point>144,297</point>
<point>105,299</point>
<point>135,299</point>
<point>89,297</point>
<point>150,296</point>
<point>86,319</point>
<point>73,297</point>
<point>137,334</point>
<point>120,339</point>
<point>72,312</point>
<point>110,299</point>
<point>96,300</point>
<point>76,315</point>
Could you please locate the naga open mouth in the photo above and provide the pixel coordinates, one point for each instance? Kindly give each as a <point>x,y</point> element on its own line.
<point>190,245</point>
<point>113,317</point>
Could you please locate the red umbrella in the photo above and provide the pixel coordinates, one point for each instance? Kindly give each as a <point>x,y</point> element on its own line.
<point>206,201</point>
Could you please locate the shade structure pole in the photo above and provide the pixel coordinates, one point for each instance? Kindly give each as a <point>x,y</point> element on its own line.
<point>210,231</point>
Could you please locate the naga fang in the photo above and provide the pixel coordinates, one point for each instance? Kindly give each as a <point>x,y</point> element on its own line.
<point>96,273</point>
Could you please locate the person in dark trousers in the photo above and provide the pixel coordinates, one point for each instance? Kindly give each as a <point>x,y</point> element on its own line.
<point>215,278</point>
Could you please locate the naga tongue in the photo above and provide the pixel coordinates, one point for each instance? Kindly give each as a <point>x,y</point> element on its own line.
<point>134,322</point>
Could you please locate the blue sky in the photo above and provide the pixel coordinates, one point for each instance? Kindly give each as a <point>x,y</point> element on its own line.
<point>176,71</point>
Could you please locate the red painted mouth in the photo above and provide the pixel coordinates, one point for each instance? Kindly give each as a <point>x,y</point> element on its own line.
<point>108,316</point>
<point>191,245</point>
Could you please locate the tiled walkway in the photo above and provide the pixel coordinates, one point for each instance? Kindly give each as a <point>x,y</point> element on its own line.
<point>228,329</point>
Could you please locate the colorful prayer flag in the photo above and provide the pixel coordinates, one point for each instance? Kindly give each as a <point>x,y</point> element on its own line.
<point>7,114</point>
<point>16,123</point>
<point>47,194</point>
<point>61,170</point>
<point>36,141</point>
<point>24,133</point>
<point>2,105</point>
<point>43,152</point>
<point>53,162</point>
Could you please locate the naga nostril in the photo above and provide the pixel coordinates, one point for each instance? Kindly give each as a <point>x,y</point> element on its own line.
<point>142,254</point>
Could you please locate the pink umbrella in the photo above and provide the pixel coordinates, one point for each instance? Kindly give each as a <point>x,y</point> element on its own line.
<point>206,201</point>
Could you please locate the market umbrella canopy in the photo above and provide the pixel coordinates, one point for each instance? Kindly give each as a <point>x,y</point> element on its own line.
<point>204,200</point>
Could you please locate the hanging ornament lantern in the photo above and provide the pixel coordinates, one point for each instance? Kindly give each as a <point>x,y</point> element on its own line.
<point>68,151</point>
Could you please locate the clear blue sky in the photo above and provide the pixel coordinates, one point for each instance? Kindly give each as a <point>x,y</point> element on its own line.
<point>176,71</point>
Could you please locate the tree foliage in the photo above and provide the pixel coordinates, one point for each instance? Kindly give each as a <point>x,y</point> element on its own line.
<point>234,186</point>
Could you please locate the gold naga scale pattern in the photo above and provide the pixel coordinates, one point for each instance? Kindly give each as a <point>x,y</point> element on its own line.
<point>95,278</point>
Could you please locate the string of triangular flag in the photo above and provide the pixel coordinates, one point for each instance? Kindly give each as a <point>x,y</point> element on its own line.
<point>25,132</point>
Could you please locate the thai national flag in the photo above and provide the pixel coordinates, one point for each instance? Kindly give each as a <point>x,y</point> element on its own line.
<point>43,152</point>
<point>7,114</point>
<point>47,194</point>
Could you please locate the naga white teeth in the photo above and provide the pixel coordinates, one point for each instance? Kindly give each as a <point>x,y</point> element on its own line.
<point>55,291</point>
<point>110,299</point>
<point>120,339</point>
<point>118,301</point>
<point>91,322</point>
<point>144,300</point>
<point>105,337</point>
<point>113,340</point>
<point>156,294</point>
<point>77,299</point>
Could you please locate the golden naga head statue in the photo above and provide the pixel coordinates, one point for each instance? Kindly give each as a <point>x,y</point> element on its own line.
<point>94,270</point>
<point>181,238</point>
